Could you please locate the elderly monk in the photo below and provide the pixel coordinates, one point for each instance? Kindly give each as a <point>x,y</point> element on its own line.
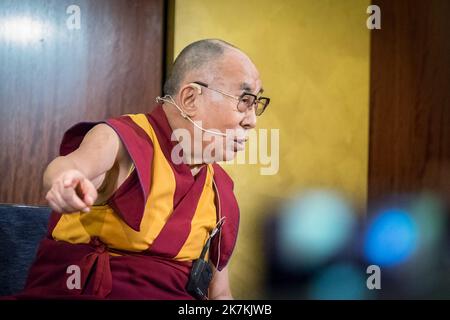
<point>129,218</point>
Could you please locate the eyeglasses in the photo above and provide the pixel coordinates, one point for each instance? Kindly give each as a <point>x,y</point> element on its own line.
<point>245,101</point>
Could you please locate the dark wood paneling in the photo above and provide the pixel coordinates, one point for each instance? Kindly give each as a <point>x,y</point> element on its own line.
<point>111,66</point>
<point>410,99</point>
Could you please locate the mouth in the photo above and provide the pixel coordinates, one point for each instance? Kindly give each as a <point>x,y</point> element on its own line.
<point>241,140</point>
<point>239,143</point>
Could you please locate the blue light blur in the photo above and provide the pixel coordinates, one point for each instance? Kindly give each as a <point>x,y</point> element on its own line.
<point>313,228</point>
<point>391,238</point>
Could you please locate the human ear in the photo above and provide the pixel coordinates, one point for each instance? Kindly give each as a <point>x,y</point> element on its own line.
<point>189,98</point>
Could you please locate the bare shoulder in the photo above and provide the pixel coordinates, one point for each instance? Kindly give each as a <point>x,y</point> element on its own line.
<point>101,134</point>
<point>100,141</point>
<point>99,151</point>
<point>104,136</point>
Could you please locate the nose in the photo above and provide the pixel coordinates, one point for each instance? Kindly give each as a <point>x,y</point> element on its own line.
<point>249,121</point>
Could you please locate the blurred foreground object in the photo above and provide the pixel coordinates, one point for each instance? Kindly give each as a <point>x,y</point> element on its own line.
<point>317,247</point>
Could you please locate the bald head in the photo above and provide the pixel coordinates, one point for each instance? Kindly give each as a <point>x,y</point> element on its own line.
<point>195,57</point>
<point>228,76</point>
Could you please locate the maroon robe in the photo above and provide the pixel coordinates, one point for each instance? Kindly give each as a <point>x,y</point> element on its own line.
<point>153,273</point>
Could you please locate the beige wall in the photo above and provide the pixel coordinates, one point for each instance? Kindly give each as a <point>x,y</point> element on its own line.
<point>313,56</point>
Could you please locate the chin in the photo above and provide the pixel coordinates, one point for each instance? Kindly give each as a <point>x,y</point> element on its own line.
<point>229,155</point>
<point>221,155</point>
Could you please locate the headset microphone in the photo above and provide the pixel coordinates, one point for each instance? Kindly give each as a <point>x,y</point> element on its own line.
<point>184,115</point>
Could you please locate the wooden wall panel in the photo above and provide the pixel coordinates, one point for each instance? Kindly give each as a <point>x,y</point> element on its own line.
<point>410,99</point>
<point>52,77</point>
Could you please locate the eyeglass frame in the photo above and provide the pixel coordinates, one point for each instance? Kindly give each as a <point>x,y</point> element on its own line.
<point>239,98</point>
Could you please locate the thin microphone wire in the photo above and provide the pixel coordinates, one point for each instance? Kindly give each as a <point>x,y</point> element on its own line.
<point>184,115</point>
